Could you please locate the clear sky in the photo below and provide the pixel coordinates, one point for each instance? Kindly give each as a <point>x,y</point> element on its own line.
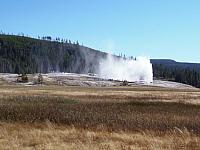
<point>153,28</point>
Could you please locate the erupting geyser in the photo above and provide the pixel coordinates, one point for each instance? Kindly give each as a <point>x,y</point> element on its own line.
<point>133,70</point>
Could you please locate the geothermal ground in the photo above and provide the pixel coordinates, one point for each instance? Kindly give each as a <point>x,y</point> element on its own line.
<point>71,111</point>
<point>85,80</point>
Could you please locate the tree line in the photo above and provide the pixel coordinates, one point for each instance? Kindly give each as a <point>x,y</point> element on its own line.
<point>186,75</point>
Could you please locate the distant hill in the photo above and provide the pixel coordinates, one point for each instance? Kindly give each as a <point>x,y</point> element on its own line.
<point>173,63</point>
<point>19,54</point>
<point>163,61</point>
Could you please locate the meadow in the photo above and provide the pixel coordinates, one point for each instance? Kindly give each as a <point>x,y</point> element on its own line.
<point>70,117</point>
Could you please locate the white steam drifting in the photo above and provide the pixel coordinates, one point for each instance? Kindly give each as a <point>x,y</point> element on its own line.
<point>139,70</point>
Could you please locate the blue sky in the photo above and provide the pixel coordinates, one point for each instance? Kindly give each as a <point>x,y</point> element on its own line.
<point>153,28</point>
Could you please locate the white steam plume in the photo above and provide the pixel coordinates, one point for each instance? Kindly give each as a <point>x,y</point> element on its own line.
<point>126,69</point>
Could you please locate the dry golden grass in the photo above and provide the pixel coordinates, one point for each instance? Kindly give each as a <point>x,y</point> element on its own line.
<point>99,118</point>
<point>117,94</point>
<point>50,136</point>
<point>132,115</point>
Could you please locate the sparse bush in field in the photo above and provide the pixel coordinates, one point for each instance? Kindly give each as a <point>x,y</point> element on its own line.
<point>22,78</point>
<point>40,79</point>
<point>124,83</point>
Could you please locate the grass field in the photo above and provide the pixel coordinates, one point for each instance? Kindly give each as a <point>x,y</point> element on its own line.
<point>58,117</point>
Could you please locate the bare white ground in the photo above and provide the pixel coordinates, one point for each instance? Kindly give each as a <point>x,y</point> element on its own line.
<point>72,79</point>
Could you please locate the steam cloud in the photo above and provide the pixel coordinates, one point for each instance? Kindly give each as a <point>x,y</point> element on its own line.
<point>126,69</point>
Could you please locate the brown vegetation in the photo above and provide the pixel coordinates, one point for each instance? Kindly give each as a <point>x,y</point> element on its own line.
<point>53,117</point>
<point>50,136</point>
<point>113,116</point>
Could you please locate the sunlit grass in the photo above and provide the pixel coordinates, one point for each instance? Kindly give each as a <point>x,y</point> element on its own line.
<point>53,117</point>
